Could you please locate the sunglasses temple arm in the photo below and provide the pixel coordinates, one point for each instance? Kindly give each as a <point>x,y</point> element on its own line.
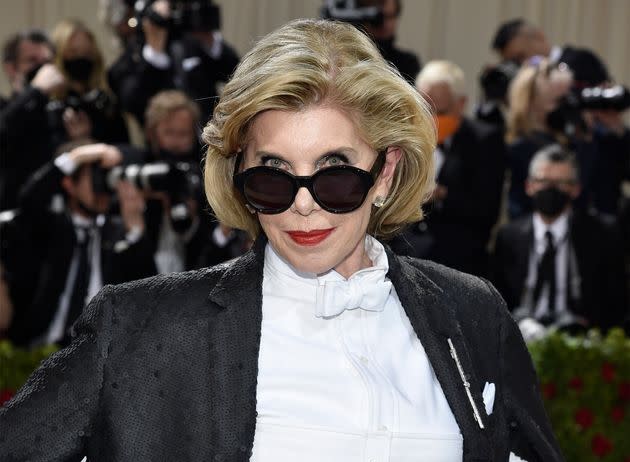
<point>379,163</point>
<point>237,163</point>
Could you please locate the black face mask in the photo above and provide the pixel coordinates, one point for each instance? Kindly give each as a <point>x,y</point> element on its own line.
<point>79,69</point>
<point>550,201</point>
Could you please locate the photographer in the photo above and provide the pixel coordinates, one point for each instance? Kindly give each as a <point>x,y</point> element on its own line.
<point>544,110</point>
<point>181,47</point>
<point>176,217</point>
<point>72,248</point>
<point>32,81</point>
<point>613,167</point>
<point>379,19</point>
<point>518,40</point>
<point>515,42</point>
<point>82,108</point>
<point>470,167</point>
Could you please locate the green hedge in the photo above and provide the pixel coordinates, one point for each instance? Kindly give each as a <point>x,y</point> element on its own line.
<point>586,387</point>
<point>17,364</point>
<point>585,384</point>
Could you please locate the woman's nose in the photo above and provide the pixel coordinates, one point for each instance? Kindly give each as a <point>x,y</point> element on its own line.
<point>304,204</point>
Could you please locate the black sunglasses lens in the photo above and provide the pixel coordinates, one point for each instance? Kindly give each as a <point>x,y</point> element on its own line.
<point>340,190</point>
<point>268,191</point>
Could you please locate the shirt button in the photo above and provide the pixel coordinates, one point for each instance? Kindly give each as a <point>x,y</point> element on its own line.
<point>364,360</point>
<point>383,428</point>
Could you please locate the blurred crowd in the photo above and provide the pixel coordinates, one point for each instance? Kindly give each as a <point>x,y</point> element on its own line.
<point>529,190</point>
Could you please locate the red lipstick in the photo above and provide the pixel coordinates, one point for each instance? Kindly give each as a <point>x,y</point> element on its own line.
<point>311,237</point>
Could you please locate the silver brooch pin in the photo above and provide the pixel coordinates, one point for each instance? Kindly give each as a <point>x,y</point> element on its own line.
<point>466,384</point>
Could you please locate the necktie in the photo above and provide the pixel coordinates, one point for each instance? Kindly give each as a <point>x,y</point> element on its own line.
<point>547,276</point>
<point>369,291</point>
<point>82,279</point>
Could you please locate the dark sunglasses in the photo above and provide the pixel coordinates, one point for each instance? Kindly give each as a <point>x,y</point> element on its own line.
<point>339,189</point>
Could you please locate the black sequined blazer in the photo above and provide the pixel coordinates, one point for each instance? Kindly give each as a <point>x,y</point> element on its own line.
<point>164,369</point>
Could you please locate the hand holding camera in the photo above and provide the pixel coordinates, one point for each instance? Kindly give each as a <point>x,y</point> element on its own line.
<point>48,79</point>
<point>107,155</point>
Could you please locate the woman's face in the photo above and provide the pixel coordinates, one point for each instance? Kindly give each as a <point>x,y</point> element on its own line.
<point>79,46</point>
<point>302,143</point>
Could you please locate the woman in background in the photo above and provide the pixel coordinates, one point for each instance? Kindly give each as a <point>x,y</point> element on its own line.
<point>83,108</point>
<point>534,95</point>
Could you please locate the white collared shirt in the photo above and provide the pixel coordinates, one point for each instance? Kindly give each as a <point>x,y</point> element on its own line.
<point>56,329</point>
<point>353,387</point>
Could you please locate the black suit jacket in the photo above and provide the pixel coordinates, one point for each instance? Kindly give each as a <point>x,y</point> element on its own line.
<point>21,151</point>
<point>457,229</point>
<point>43,251</point>
<point>598,249</point>
<point>135,81</point>
<point>166,369</point>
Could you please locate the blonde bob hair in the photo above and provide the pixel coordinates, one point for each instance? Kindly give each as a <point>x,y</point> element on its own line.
<point>315,62</point>
<point>523,91</point>
<point>61,35</point>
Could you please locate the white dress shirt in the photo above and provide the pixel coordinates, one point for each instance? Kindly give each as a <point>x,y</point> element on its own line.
<point>56,329</point>
<point>565,256</point>
<point>356,386</point>
<point>559,230</point>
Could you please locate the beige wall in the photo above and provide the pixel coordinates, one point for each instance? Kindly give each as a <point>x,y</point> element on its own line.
<point>458,30</point>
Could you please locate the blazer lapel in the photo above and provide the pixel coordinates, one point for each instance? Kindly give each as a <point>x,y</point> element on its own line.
<point>524,245</point>
<point>432,316</point>
<point>234,343</point>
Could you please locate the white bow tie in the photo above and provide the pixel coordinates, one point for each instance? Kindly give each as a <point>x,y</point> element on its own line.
<point>369,292</point>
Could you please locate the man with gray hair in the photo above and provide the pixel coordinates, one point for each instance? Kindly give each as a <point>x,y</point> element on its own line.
<point>470,165</point>
<point>559,267</point>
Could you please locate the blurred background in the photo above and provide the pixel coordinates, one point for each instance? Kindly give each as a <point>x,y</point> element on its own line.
<point>460,31</point>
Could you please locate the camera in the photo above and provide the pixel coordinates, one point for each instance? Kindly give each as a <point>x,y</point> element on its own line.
<point>186,15</point>
<point>348,11</point>
<point>567,117</point>
<point>181,181</point>
<point>495,80</point>
<point>95,103</point>
<point>615,98</point>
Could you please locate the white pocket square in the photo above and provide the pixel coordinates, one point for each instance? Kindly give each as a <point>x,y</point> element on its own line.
<point>488,397</point>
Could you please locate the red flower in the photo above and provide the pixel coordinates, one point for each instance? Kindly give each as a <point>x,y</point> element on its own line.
<point>576,383</point>
<point>608,372</point>
<point>617,414</point>
<point>549,390</point>
<point>5,395</point>
<point>601,445</point>
<point>624,392</point>
<point>584,418</point>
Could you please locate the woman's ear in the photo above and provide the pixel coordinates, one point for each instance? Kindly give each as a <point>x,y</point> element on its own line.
<point>386,177</point>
